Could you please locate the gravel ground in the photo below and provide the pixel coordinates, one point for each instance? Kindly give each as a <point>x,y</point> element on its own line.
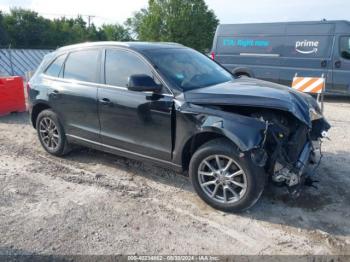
<point>95,203</point>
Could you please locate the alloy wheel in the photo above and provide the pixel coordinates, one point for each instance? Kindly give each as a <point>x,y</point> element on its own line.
<point>49,133</point>
<point>222,179</point>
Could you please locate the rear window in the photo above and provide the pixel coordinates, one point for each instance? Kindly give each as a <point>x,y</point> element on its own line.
<point>82,65</point>
<point>55,67</point>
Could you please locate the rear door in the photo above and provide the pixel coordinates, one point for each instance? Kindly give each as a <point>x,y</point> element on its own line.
<point>73,95</point>
<point>341,65</point>
<point>137,123</point>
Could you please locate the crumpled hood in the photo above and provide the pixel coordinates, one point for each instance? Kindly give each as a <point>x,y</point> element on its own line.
<point>256,93</point>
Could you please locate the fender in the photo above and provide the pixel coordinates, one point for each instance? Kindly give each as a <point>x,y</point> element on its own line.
<point>245,132</point>
<point>35,108</point>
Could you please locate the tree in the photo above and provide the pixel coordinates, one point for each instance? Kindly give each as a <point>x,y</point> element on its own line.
<point>188,22</point>
<point>116,32</point>
<point>133,24</point>
<point>3,33</point>
<point>25,28</point>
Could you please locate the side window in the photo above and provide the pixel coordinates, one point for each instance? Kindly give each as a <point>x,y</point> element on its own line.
<point>82,65</point>
<point>119,65</point>
<point>345,47</point>
<point>55,67</point>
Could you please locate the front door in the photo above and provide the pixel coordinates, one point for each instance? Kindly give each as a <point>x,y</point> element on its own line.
<point>134,122</point>
<point>341,65</point>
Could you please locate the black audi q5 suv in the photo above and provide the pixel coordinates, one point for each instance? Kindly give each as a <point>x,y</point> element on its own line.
<point>169,104</point>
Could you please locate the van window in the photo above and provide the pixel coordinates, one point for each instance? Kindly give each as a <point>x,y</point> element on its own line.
<point>55,68</point>
<point>345,47</point>
<point>82,65</point>
<point>119,65</point>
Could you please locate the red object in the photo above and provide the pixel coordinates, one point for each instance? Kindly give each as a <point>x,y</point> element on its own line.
<point>212,55</point>
<point>11,95</point>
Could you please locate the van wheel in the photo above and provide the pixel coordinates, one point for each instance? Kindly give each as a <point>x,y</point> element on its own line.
<point>224,179</point>
<point>51,133</point>
<point>240,75</point>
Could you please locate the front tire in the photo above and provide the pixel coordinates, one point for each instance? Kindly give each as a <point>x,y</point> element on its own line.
<point>51,133</point>
<point>224,178</point>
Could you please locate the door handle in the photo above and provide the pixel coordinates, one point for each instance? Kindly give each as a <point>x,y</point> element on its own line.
<point>337,64</point>
<point>105,101</point>
<point>324,63</point>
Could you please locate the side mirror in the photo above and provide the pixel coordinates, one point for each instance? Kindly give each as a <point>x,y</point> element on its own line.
<point>142,83</point>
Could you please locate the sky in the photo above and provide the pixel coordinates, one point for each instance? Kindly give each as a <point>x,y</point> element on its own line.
<point>228,11</point>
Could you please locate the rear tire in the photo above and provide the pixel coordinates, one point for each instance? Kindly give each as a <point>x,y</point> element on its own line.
<point>232,190</point>
<point>51,133</point>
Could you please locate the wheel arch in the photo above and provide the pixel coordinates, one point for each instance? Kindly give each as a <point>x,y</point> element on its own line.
<point>196,141</point>
<point>36,110</point>
<point>239,71</point>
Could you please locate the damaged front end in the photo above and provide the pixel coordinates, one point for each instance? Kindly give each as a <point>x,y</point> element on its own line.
<point>292,147</point>
<point>276,140</point>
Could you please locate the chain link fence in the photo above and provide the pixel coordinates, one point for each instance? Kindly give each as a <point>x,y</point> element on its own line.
<point>20,62</point>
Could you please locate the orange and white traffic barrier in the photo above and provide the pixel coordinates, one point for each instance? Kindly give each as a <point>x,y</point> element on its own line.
<point>313,85</point>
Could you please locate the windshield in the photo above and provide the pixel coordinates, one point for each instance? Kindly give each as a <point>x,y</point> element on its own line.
<point>188,69</point>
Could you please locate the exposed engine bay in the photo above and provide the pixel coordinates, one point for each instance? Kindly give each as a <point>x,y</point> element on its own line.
<point>289,147</point>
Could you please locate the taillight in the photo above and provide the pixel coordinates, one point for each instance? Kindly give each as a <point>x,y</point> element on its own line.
<point>212,55</point>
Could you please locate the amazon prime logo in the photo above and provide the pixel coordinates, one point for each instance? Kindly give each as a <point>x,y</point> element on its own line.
<point>306,47</point>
